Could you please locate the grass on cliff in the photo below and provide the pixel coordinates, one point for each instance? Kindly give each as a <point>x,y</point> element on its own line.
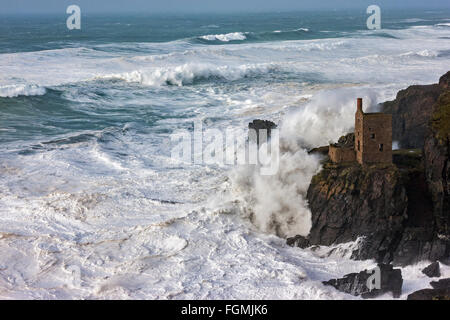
<point>440,121</point>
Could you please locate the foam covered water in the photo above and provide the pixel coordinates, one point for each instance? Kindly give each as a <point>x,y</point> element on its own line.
<point>92,205</point>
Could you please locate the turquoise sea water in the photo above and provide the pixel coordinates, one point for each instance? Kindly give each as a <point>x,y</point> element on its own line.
<point>35,41</point>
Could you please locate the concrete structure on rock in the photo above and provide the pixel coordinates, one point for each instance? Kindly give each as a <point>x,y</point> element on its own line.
<point>371,143</point>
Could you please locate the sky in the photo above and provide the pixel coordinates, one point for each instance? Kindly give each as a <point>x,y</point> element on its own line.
<point>157,6</point>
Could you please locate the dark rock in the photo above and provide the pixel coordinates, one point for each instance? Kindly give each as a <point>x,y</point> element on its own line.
<point>298,241</point>
<point>445,261</point>
<point>358,283</point>
<point>430,294</point>
<point>444,81</point>
<point>261,124</point>
<point>441,284</point>
<point>432,270</point>
<point>257,125</point>
<point>364,201</point>
<point>389,206</point>
<point>437,164</point>
<point>411,111</point>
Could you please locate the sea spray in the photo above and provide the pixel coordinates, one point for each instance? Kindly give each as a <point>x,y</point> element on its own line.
<point>277,203</point>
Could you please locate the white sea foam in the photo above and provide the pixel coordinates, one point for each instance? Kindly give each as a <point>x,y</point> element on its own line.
<point>422,53</point>
<point>188,73</point>
<point>395,145</point>
<point>234,36</point>
<point>412,20</point>
<point>10,91</point>
<point>174,63</point>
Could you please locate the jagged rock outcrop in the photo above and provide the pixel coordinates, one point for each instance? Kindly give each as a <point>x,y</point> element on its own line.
<point>437,163</point>
<point>441,284</point>
<point>411,111</point>
<point>440,291</point>
<point>427,235</point>
<point>433,270</point>
<point>362,201</point>
<point>360,283</point>
<point>352,201</point>
<point>430,294</point>
<point>401,210</point>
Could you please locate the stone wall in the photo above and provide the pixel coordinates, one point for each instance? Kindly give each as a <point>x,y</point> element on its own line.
<point>373,137</point>
<point>377,138</point>
<point>339,154</point>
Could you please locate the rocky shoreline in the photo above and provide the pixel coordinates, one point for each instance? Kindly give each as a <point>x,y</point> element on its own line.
<point>400,211</point>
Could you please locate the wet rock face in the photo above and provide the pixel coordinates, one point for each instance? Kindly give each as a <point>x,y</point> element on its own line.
<point>411,111</point>
<point>437,163</point>
<point>390,206</point>
<point>349,202</point>
<point>358,284</point>
<point>432,270</point>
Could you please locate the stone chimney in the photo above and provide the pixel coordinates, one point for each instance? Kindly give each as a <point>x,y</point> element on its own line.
<point>359,105</point>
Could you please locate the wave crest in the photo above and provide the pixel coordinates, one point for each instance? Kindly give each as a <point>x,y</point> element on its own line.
<point>12,91</point>
<point>234,36</point>
<point>189,73</point>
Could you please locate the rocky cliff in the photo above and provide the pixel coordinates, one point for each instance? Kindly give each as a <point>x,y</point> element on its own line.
<point>412,110</point>
<point>401,210</point>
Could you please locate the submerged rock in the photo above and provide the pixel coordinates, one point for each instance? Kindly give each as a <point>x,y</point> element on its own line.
<point>359,284</point>
<point>298,241</point>
<point>432,270</point>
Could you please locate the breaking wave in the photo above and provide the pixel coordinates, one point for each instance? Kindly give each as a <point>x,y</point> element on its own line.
<point>12,91</point>
<point>235,36</point>
<point>190,73</point>
<point>276,35</point>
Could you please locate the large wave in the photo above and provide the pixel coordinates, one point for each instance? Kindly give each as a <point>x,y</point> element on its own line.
<point>191,72</point>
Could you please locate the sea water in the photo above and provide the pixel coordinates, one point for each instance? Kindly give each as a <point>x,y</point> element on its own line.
<point>93,206</point>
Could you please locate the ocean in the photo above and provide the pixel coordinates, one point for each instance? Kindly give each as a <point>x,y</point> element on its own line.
<point>93,206</point>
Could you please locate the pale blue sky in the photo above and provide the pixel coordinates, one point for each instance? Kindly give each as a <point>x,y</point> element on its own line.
<point>154,6</point>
